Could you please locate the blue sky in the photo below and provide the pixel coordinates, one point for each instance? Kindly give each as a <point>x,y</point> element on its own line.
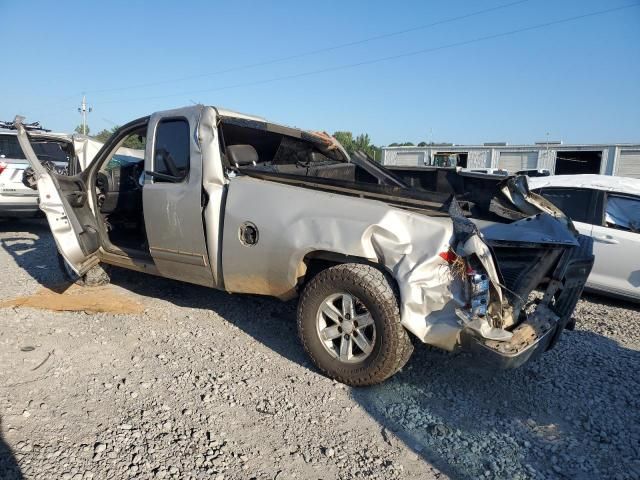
<point>579,81</point>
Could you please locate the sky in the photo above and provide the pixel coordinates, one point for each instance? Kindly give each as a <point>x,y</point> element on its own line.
<point>456,71</point>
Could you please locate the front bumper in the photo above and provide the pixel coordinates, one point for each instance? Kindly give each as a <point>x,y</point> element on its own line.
<point>543,327</point>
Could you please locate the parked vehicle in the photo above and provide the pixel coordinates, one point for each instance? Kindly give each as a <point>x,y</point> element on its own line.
<point>607,209</point>
<point>234,202</point>
<point>56,151</point>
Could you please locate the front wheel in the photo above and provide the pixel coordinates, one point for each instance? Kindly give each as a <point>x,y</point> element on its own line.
<point>349,324</point>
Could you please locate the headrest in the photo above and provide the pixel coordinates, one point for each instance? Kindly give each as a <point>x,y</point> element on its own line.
<point>241,155</point>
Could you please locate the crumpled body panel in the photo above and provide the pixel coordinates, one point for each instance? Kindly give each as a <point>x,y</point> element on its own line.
<point>294,222</point>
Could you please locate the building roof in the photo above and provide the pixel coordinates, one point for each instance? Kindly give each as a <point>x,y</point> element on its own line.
<point>507,146</point>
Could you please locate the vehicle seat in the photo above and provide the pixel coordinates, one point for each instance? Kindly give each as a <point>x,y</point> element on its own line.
<point>242,155</point>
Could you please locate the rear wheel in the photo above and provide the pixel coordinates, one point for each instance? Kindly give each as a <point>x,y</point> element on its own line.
<point>349,324</point>
<point>97,276</point>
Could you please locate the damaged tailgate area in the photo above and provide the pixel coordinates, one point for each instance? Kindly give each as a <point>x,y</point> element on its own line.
<point>542,265</point>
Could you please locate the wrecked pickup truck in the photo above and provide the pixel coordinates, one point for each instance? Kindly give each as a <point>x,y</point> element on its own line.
<point>231,201</point>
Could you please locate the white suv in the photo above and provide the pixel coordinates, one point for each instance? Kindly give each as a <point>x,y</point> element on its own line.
<point>59,152</point>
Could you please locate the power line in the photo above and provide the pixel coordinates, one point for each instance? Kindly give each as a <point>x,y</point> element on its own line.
<point>312,52</point>
<point>381,59</point>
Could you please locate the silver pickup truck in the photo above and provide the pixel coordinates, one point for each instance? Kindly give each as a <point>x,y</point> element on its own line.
<point>234,202</point>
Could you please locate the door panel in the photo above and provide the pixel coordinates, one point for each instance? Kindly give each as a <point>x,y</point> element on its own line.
<point>173,197</point>
<point>617,262</point>
<point>617,247</point>
<point>64,201</point>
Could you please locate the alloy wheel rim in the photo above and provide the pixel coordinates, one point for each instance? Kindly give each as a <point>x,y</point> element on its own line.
<point>345,328</point>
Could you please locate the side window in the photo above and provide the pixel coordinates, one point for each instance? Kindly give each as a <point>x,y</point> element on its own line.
<point>172,150</point>
<point>575,203</point>
<point>623,213</point>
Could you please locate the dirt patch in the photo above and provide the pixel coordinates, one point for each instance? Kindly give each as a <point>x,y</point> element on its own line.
<point>79,299</point>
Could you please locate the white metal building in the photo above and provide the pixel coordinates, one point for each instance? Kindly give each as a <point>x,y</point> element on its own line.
<point>613,159</point>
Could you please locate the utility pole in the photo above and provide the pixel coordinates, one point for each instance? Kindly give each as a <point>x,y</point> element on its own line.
<point>83,110</point>
<point>547,159</point>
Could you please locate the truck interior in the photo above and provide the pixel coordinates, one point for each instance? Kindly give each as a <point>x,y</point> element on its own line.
<point>269,151</point>
<point>119,183</point>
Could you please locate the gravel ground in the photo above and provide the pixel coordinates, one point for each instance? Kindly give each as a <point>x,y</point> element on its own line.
<point>202,384</point>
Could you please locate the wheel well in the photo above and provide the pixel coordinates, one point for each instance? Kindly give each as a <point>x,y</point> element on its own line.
<point>320,260</point>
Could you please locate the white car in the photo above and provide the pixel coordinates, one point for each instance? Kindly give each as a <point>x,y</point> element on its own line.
<point>67,154</point>
<point>607,209</point>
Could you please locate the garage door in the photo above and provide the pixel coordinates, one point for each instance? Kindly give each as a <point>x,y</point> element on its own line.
<point>409,159</point>
<point>515,161</point>
<point>629,164</point>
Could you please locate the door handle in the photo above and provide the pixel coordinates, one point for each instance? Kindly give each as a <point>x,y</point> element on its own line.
<point>606,239</point>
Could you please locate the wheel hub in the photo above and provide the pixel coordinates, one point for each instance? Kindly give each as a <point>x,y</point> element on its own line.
<point>345,328</point>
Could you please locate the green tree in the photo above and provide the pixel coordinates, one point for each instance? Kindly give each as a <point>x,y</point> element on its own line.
<point>361,142</point>
<point>78,129</point>
<point>132,141</point>
<point>103,135</point>
<point>346,139</point>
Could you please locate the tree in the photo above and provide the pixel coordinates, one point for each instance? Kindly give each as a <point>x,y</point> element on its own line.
<point>78,129</point>
<point>360,143</point>
<point>132,141</point>
<point>346,139</point>
<point>103,135</point>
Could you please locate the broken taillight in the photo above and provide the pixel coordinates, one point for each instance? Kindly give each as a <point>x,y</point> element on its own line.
<point>448,256</point>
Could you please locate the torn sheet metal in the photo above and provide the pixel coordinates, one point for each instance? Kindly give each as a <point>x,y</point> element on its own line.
<point>516,190</point>
<point>542,229</point>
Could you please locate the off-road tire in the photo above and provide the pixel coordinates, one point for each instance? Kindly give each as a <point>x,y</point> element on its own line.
<point>374,289</point>
<point>96,276</point>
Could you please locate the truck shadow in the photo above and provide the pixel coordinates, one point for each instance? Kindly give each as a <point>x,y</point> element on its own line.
<point>9,468</point>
